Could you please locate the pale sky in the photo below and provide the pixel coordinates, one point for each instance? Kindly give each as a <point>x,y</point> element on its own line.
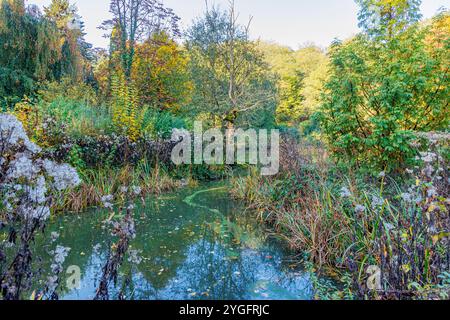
<point>287,22</point>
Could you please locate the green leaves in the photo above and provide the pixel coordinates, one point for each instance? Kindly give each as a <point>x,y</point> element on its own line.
<point>36,48</point>
<point>387,17</point>
<point>381,89</point>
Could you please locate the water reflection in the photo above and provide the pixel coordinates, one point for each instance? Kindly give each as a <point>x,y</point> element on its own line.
<point>197,244</point>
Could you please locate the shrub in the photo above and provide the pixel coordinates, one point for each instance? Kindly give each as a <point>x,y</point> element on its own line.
<point>69,90</point>
<point>28,183</point>
<point>159,125</point>
<point>51,124</point>
<point>79,118</point>
<point>381,89</point>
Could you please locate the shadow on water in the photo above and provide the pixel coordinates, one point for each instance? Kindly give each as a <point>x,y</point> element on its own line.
<point>195,244</point>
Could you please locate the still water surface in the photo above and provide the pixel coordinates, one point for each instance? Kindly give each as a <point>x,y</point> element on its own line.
<point>195,244</point>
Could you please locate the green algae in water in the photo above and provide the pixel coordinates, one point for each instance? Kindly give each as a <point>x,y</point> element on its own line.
<point>194,244</point>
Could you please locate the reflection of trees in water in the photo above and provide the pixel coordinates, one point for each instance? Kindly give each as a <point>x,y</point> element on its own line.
<point>163,251</point>
<point>213,267</point>
<point>217,275</point>
<point>205,255</point>
<point>207,265</point>
<point>80,234</point>
<point>202,276</point>
<point>170,251</point>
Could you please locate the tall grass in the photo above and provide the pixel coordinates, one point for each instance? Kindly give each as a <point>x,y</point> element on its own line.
<point>98,182</point>
<point>350,225</point>
<point>78,118</point>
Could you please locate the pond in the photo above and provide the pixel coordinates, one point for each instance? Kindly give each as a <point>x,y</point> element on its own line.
<point>195,244</point>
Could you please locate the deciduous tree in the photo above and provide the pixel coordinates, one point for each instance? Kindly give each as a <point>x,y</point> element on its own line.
<point>385,84</point>
<point>160,73</point>
<point>229,73</point>
<point>137,20</point>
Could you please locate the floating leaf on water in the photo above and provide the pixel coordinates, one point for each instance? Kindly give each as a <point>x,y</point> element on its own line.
<point>435,239</point>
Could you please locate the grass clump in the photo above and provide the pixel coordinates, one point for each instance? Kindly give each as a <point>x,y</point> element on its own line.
<point>391,234</point>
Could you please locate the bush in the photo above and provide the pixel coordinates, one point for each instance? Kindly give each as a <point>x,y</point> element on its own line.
<point>311,127</point>
<point>381,90</point>
<point>68,90</point>
<point>160,124</point>
<point>14,84</point>
<point>289,131</point>
<point>79,118</point>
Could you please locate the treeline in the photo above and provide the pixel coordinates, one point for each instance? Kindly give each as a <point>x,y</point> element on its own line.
<point>39,47</point>
<point>366,96</point>
<point>217,73</point>
<point>300,80</point>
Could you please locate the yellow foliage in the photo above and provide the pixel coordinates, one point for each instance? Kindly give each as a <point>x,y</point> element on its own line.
<point>160,73</point>
<point>124,107</point>
<point>24,113</point>
<point>302,74</point>
<point>68,89</point>
<point>439,31</point>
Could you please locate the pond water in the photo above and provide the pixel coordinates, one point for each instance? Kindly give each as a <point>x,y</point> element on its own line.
<point>195,244</point>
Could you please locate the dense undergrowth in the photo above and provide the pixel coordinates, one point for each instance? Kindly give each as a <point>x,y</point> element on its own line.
<point>86,137</point>
<point>383,237</point>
